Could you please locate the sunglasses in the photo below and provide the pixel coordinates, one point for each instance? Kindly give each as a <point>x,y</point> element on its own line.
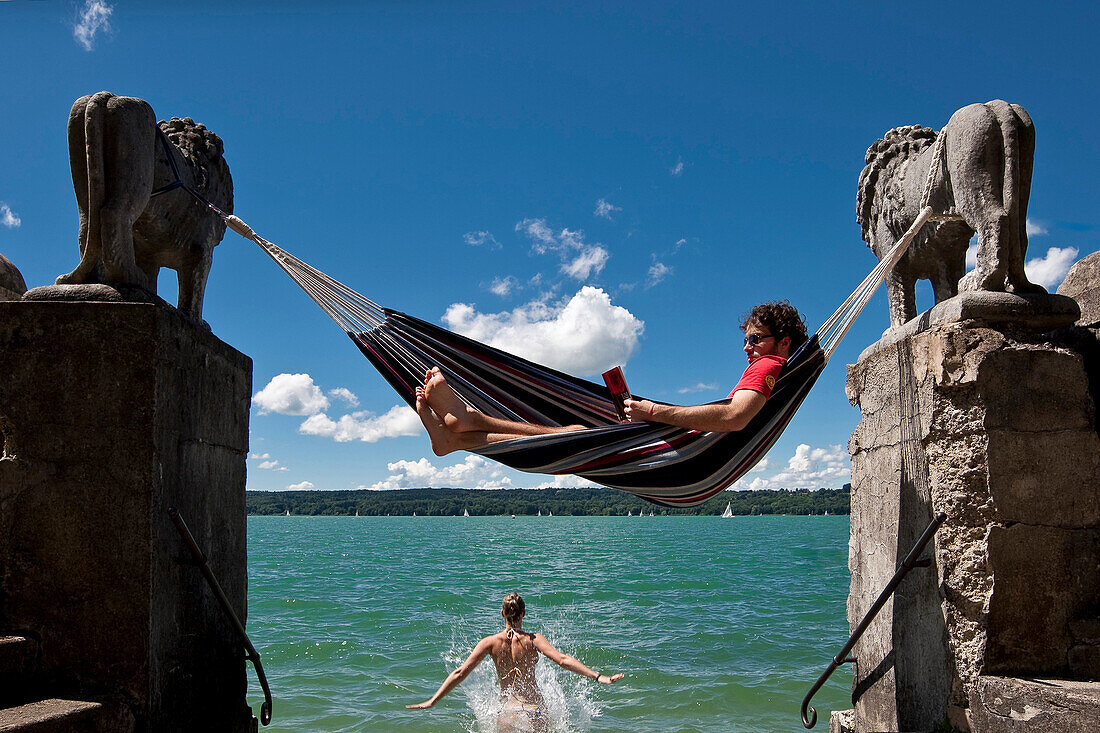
<point>754,338</point>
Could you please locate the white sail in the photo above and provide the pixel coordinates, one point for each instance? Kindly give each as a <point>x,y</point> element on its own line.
<point>465,512</point>
<point>729,510</point>
<point>629,513</point>
<point>539,513</point>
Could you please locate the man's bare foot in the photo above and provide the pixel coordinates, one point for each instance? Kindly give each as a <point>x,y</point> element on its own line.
<point>443,440</point>
<point>456,415</point>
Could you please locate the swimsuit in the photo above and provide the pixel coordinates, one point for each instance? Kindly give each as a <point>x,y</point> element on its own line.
<point>516,713</point>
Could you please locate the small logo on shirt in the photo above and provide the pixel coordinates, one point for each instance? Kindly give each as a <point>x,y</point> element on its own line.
<point>770,381</point>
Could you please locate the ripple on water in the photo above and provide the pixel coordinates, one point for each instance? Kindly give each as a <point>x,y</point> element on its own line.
<point>719,625</point>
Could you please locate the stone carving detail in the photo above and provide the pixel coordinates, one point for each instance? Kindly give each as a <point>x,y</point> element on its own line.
<point>126,234</point>
<point>12,286</point>
<point>985,178</point>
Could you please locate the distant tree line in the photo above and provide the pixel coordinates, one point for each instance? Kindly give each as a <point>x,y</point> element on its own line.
<point>561,502</point>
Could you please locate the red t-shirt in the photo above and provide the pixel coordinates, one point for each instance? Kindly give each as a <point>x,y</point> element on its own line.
<point>761,375</point>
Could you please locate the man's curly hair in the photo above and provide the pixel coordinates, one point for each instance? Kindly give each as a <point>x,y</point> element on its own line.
<point>780,318</point>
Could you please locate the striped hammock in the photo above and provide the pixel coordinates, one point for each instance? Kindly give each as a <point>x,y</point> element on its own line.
<point>663,464</point>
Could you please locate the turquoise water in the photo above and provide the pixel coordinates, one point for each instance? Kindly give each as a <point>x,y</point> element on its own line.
<point>718,624</point>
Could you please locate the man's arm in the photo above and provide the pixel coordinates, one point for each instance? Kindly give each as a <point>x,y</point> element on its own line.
<point>721,417</point>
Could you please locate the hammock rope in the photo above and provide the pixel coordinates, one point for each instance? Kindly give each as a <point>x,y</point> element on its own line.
<point>660,463</point>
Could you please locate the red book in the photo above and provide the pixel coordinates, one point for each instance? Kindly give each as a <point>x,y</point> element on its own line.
<point>616,384</point>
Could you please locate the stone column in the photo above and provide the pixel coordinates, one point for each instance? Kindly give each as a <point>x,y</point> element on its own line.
<point>968,410</point>
<point>110,413</point>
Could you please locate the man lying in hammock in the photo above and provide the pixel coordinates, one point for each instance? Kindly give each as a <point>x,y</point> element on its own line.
<point>772,332</point>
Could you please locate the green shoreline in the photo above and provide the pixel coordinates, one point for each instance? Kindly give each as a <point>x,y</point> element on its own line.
<point>586,502</point>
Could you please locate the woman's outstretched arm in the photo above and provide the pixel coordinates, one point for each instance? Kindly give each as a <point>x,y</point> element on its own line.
<point>458,675</point>
<point>571,663</point>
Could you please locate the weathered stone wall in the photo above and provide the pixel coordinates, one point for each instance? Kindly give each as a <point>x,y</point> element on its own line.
<point>995,427</point>
<point>110,414</point>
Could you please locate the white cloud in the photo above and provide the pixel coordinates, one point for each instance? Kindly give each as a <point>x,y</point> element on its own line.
<point>8,217</point>
<point>364,426</point>
<point>604,209</point>
<point>1034,228</point>
<point>1050,269</point>
<point>304,486</point>
<point>474,472</point>
<point>679,243</point>
<point>808,468</point>
<point>267,463</point>
<point>972,255</point>
<point>291,394</point>
<point>699,387</point>
<point>345,394</point>
<point>94,17</point>
<point>589,262</point>
<point>567,482</point>
<point>537,230</point>
<point>658,271</point>
<point>580,259</point>
<point>678,169</point>
<point>585,334</point>
<point>502,286</point>
<point>481,239</point>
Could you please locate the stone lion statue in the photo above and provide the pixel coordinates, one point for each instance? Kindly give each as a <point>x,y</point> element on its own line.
<point>126,232</point>
<point>985,178</point>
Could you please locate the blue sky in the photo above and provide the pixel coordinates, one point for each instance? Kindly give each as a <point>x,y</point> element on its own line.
<point>647,170</point>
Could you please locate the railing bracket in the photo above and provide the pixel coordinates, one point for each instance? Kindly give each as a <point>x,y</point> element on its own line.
<point>911,561</point>
<point>199,558</point>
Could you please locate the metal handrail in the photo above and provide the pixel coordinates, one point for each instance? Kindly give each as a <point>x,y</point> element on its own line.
<point>251,653</point>
<point>908,564</point>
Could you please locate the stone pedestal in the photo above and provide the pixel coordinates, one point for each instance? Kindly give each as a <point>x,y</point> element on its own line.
<point>1008,705</point>
<point>969,411</point>
<point>111,413</point>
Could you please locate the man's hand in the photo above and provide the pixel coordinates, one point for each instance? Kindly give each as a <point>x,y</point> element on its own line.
<point>638,410</point>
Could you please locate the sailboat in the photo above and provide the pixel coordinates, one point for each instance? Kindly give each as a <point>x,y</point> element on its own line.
<point>539,514</point>
<point>629,513</point>
<point>551,513</point>
<point>465,512</point>
<point>357,512</point>
<point>729,510</point>
<point>288,512</point>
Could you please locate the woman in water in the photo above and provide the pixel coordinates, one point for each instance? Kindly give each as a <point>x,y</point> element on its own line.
<point>515,652</point>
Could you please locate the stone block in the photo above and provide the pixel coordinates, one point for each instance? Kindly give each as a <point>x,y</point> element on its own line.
<point>842,721</point>
<point>111,413</point>
<point>1011,705</point>
<point>994,426</point>
<point>1082,283</point>
<point>1044,577</point>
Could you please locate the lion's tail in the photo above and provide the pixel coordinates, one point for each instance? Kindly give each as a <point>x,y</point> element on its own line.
<point>95,117</point>
<point>1018,136</point>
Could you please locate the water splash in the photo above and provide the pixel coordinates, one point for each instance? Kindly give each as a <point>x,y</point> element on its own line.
<point>569,708</point>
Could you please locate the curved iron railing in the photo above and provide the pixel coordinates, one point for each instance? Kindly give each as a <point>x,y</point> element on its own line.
<point>251,653</point>
<point>911,561</point>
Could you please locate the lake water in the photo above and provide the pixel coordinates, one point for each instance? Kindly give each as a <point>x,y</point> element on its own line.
<point>718,624</point>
